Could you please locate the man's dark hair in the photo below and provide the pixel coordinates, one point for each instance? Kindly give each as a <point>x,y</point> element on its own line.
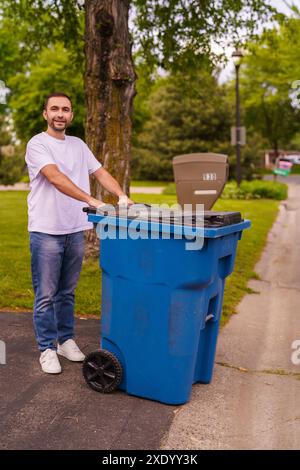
<point>53,95</point>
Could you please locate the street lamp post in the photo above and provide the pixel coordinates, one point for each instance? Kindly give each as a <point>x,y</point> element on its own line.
<point>237,56</point>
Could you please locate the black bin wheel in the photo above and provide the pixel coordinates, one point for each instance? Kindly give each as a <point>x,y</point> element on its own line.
<point>102,371</point>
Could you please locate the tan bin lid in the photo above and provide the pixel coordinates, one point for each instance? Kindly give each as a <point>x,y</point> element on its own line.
<point>200,178</point>
<point>200,157</point>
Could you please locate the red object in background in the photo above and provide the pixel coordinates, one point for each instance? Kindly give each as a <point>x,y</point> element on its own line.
<point>284,165</point>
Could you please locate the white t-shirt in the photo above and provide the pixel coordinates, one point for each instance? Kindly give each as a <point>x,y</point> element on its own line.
<point>49,210</point>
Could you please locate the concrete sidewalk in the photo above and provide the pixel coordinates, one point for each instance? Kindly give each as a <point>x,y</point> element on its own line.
<point>133,189</point>
<point>146,189</point>
<point>253,401</point>
<point>15,187</point>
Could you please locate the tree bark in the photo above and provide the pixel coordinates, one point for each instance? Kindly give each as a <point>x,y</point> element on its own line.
<point>109,92</point>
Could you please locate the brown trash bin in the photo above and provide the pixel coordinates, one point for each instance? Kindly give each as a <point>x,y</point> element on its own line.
<point>200,178</point>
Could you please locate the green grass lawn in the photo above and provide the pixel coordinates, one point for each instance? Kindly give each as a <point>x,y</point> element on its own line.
<point>15,280</point>
<point>16,291</point>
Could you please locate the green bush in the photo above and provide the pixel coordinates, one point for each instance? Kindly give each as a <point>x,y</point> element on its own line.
<point>11,168</point>
<point>261,172</point>
<point>147,166</point>
<point>25,179</point>
<point>295,170</point>
<point>255,189</point>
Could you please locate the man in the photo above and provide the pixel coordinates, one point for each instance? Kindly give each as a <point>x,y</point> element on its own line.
<point>59,166</point>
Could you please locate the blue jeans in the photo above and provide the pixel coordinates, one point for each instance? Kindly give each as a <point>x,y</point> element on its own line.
<point>56,262</point>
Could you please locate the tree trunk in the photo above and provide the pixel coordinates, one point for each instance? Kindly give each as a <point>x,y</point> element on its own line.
<point>109,92</point>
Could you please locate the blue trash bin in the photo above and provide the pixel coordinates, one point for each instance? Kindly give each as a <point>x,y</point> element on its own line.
<point>161,304</point>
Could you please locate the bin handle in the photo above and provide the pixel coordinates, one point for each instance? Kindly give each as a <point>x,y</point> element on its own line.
<point>93,210</point>
<point>89,210</point>
<point>209,317</point>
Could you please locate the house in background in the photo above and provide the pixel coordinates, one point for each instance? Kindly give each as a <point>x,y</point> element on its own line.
<point>269,159</point>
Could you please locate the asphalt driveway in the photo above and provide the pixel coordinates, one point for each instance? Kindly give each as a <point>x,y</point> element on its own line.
<point>40,411</point>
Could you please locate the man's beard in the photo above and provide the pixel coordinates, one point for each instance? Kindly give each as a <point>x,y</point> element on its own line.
<point>58,128</point>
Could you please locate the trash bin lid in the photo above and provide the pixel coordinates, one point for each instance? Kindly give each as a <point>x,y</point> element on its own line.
<point>152,214</point>
<point>200,158</point>
<point>209,222</point>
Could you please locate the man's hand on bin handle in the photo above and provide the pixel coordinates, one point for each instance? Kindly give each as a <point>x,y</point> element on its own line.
<point>124,201</point>
<point>95,202</point>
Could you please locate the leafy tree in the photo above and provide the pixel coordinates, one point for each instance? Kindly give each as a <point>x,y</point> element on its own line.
<point>5,136</point>
<point>35,24</point>
<point>52,71</point>
<point>10,50</point>
<point>268,72</point>
<point>185,118</point>
<point>174,34</point>
<point>144,85</point>
<point>11,156</point>
<point>251,156</point>
<point>5,139</point>
<point>11,166</point>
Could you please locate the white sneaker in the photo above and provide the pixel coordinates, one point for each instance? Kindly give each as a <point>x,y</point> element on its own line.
<point>71,351</point>
<point>49,362</point>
